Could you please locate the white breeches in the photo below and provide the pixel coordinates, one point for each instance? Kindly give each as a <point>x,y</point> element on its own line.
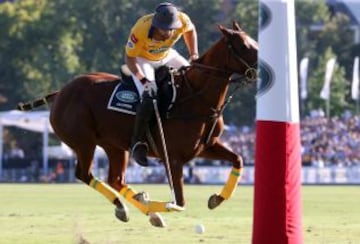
<point>173,59</point>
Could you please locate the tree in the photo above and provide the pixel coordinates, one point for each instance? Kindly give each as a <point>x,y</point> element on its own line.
<point>242,110</point>
<point>338,87</point>
<point>15,20</point>
<point>321,35</point>
<point>45,43</point>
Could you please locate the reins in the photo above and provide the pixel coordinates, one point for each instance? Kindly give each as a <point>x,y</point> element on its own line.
<point>203,66</point>
<point>249,75</point>
<point>195,94</point>
<point>216,113</point>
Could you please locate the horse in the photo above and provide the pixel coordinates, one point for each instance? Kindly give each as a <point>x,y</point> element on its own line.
<point>79,117</point>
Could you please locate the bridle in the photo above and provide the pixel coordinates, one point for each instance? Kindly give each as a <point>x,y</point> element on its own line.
<point>250,74</point>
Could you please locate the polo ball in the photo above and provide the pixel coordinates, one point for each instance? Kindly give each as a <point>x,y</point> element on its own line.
<point>199,228</point>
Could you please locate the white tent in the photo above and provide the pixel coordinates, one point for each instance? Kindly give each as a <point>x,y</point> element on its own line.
<point>34,121</point>
<point>37,121</point>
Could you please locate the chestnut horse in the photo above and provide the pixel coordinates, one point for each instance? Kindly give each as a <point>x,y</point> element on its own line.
<point>80,119</point>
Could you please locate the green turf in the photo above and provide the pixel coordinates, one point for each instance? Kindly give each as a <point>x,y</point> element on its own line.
<point>61,213</point>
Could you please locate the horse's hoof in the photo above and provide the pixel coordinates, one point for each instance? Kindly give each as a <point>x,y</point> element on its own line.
<point>214,201</point>
<point>142,197</point>
<point>157,220</point>
<point>173,207</point>
<point>122,213</point>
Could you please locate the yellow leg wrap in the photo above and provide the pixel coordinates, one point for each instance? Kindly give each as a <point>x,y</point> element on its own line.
<point>104,189</point>
<point>128,194</point>
<point>149,206</point>
<point>231,183</point>
<point>158,207</point>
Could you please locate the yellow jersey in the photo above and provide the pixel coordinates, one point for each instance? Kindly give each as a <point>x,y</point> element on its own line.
<point>141,44</point>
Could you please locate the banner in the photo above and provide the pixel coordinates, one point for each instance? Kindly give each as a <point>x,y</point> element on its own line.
<point>355,80</point>
<point>303,77</point>
<point>325,91</point>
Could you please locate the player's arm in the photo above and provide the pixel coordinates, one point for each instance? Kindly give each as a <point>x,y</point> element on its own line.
<point>132,50</point>
<point>134,67</point>
<point>190,38</point>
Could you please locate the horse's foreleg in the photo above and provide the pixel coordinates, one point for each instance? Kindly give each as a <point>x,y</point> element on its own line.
<point>219,152</point>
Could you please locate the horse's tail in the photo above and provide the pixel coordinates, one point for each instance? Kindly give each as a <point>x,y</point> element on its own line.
<point>49,98</point>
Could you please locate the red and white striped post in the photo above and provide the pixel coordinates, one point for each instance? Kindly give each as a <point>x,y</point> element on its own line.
<point>277,199</point>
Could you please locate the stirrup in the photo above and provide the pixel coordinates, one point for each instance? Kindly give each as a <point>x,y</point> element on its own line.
<point>139,152</point>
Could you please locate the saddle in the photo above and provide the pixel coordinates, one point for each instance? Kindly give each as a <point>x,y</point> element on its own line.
<point>125,97</point>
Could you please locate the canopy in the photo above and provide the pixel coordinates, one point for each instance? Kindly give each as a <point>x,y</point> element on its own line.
<point>34,121</point>
<point>38,121</point>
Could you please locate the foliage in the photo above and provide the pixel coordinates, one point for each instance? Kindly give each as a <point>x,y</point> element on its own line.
<point>338,87</point>
<point>203,14</point>
<point>242,110</point>
<point>320,36</point>
<point>44,43</point>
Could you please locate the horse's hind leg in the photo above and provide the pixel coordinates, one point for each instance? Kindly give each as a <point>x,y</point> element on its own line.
<point>219,151</point>
<point>118,161</point>
<point>83,172</point>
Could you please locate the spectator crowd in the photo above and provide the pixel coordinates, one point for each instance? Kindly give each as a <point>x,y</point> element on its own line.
<point>325,141</point>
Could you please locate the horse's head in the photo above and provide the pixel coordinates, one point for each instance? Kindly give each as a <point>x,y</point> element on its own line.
<point>242,52</point>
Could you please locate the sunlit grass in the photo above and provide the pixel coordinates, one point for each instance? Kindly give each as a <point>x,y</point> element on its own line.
<point>62,213</point>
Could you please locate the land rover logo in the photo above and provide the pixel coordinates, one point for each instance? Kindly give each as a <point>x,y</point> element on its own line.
<point>266,78</point>
<point>265,16</point>
<point>127,96</point>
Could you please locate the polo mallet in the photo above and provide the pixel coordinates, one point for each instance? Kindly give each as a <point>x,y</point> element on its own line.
<point>167,163</point>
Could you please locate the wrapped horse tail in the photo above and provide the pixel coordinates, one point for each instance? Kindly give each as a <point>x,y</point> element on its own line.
<point>49,98</point>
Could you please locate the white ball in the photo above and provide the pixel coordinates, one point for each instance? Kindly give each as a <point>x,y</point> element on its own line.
<point>199,228</point>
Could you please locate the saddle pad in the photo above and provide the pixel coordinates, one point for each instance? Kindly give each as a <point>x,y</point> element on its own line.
<point>124,98</point>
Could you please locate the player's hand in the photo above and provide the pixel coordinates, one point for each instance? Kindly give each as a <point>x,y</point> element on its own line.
<point>193,57</point>
<point>149,86</point>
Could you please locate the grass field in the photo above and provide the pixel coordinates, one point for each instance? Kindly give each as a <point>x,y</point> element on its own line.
<point>61,213</point>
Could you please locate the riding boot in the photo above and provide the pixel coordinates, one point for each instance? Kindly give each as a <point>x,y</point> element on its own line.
<point>139,147</point>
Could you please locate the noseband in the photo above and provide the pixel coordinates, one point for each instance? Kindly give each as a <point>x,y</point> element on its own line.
<point>251,70</point>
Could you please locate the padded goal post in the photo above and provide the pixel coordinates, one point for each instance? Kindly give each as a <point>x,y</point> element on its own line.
<point>277,200</point>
